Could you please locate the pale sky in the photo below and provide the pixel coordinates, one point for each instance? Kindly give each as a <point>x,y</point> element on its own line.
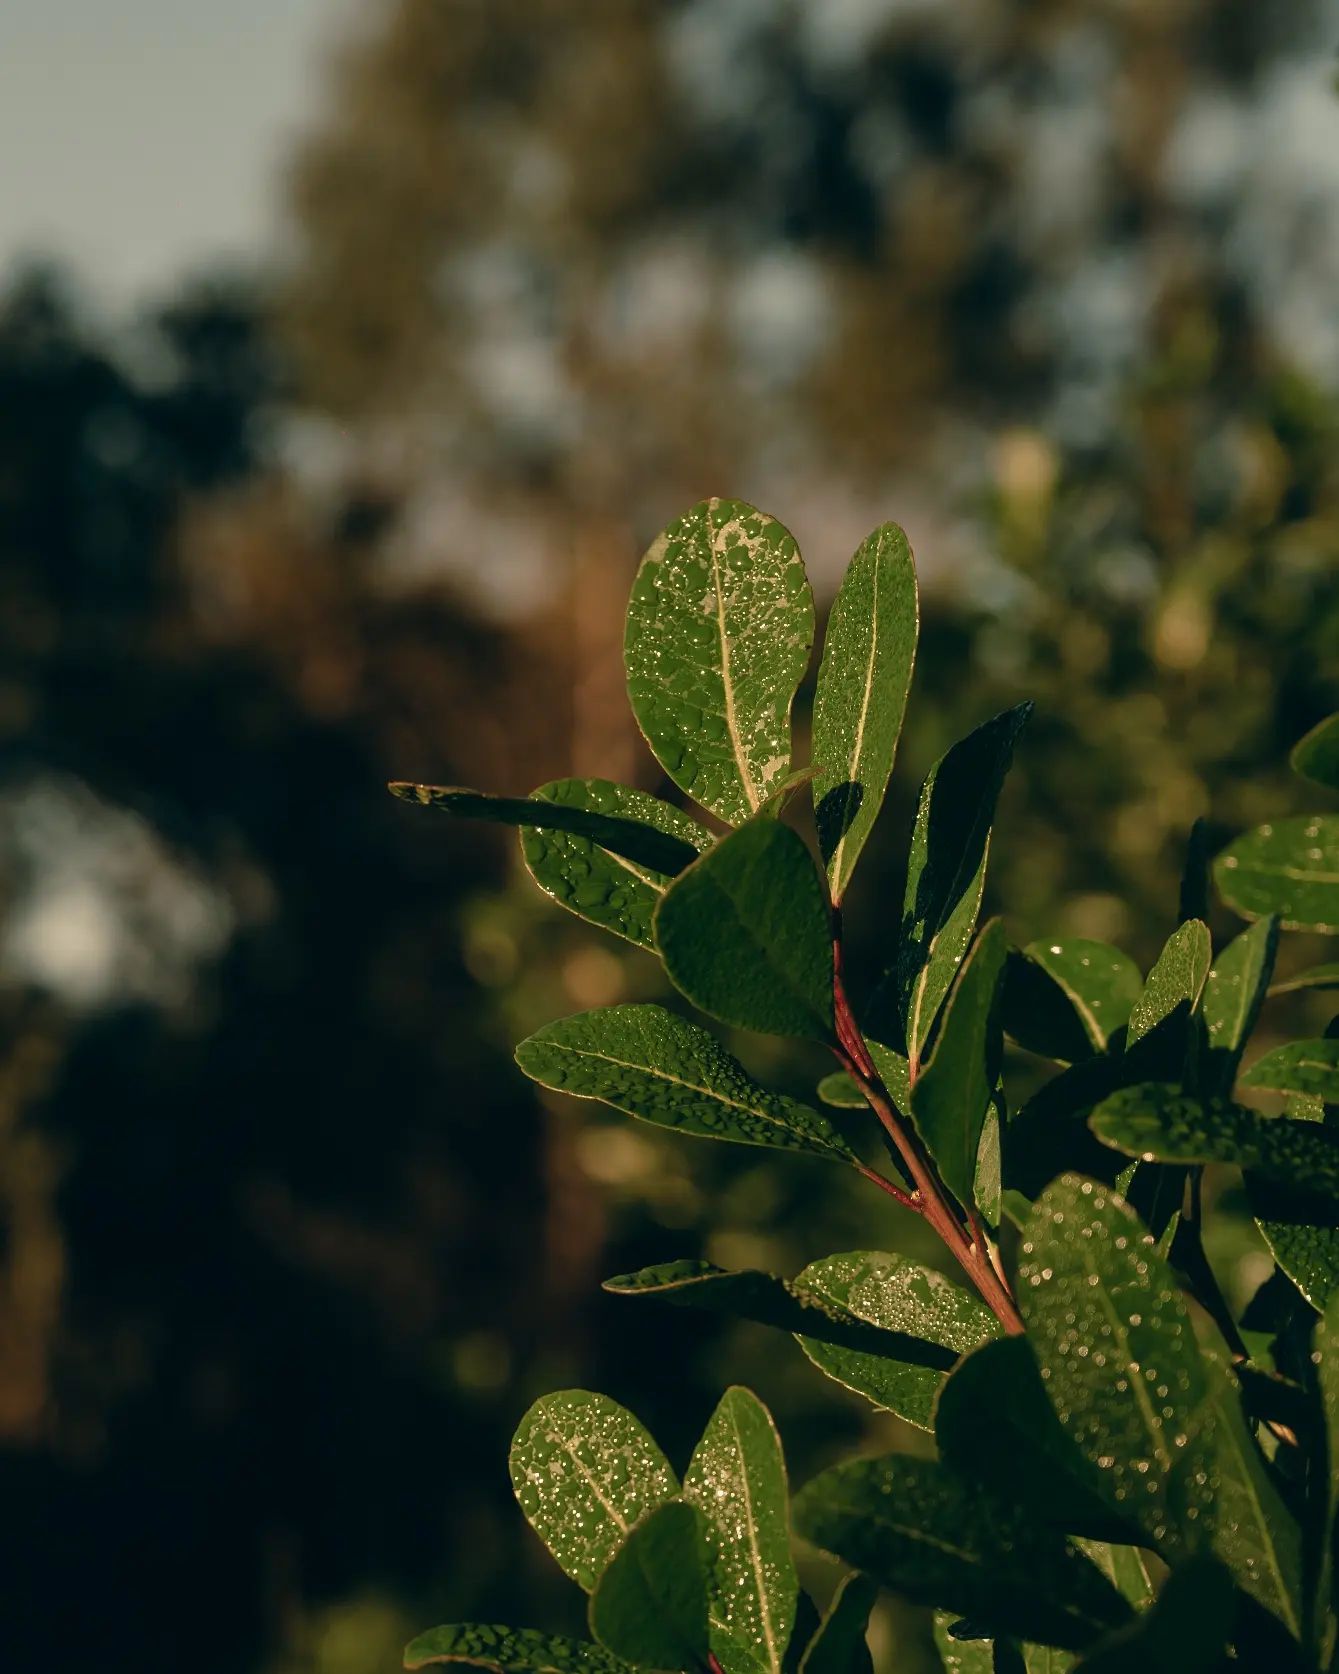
<point>142,139</point>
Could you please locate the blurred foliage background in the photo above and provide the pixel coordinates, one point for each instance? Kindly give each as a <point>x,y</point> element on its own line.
<point>286,1243</point>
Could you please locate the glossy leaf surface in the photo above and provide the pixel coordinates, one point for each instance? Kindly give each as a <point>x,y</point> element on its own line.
<point>1233,994</point>
<point>1290,868</point>
<point>596,884</point>
<point>508,1651</point>
<point>745,934</point>
<point>650,1605</point>
<point>1175,983</point>
<point>737,1480</point>
<point>839,1645</point>
<point>585,1472</point>
<point>661,1068</point>
<point>1316,756</point>
<point>861,697</point>
<point>1099,982</point>
<point>1302,1066</point>
<point>1316,976</point>
<point>922,1531</point>
<point>719,630</point>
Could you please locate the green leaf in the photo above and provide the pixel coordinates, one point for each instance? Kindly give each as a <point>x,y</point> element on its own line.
<point>1186,1631</point>
<point>1046,1659</point>
<point>1022,1455</point>
<point>861,698</point>
<point>720,625</point>
<point>1303,1237</point>
<point>650,1605</point>
<point>1316,757</point>
<point>737,1480</point>
<point>897,1295</point>
<point>1326,1354</point>
<point>783,1303</point>
<point>961,1656</point>
<point>585,1471</point>
<point>921,1530</point>
<point>1290,868</point>
<point>508,1650</point>
<point>1046,1011</point>
<point>1172,990</point>
<point>946,870</point>
<point>1117,1354</point>
<point>841,1091</point>
<point>1318,976</point>
<point>951,1098</point>
<point>839,1645</point>
<point>602,887</point>
<point>634,839</point>
<point>1159,1123</point>
<point>1233,994</point>
<point>745,933</point>
<point>1303,1066</point>
<point>661,1068</point>
<point>894,1072</point>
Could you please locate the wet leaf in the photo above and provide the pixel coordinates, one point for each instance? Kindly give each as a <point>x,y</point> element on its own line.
<point>1022,1455</point>
<point>745,933</point>
<point>1065,998</point>
<point>839,1645</point>
<point>1316,757</point>
<point>898,1295</point>
<point>661,1068</point>
<point>737,1480</point>
<point>961,1656</point>
<point>946,871</point>
<point>602,887</point>
<point>950,1100</point>
<point>1156,1122</point>
<point>1118,1357</point>
<point>861,697</point>
<point>720,625</point>
<point>1160,1017</point>
<point>1302,1233</point>
<point>1302,1066</point>
<point>650,1605</point>
<point>1290,868</point>
<point>1186,1631</point>
<point>508,1651</point>
<point>1233,994</point>
<point>585,1472</point>
<point>919,1529</point>
<point>633,839</point>
<point>1317,976</point>
<point>783,1303</point>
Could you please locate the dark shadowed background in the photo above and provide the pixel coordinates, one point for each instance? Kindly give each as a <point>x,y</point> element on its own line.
<point>349,357</point>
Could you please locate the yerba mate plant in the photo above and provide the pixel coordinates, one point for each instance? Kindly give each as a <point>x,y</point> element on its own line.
<point>1127,1476</point>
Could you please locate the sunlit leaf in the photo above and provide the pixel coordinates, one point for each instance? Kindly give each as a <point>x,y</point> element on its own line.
<point>953,1094</point>
<point>1302,1066</point>
<point>507,1650</point>
<point>658,1066</point>
<point>737,1480</point>
<point>1160,1017</point>
<point>1233,994</point>
<point>1316,756</point>
<point>650,1605</point>
<point>585,1472</point>
<point>720,626</point>
<point>1064,999</point>
<point>861,697</point>
<point>644,844</point>
<point>898,1295</point>
<point>1316,976</point>
<point>839,1645</point>
<point>602,887</point>
<point>1290,868</point>
<point>922,1531</point>
<point>745,934</point>
<point>946,871</point>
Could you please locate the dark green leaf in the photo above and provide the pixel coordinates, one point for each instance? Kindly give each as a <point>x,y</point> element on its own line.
<point>897,1295</point>
<point>1303,1066</point>
<point>720,626</point>
<point>961,1656</point>
<point>1158,1123</point>
<point>645,845</point>
<point>590,881</point>
<point>1302,1232</point>
<point>508,1651</point>
<point>1099,982</point>
<point>1326,1353</point>
<point>951,1098</point>
<point>1046,1659</point>
<point>841,1091</point>
<point>946,870</point>
<point>1290,868</point>
<point>1118,1357</point>
<point>1050,1133</point>
<point>1160,1018</point>
<point>1318,976</point>
<point>783,1303</point>
<point>654,1065</point>
<point>737,1480</point>
<point>1233,994</point>
<point>745,933</point>
<point>839,1646</point>
<point>1022,1454</point>
<point>862,696</point>
<point>1194,898</point>
<point>1316,757</point>
<point>585,1471</point>
<point>919,1529</point>
<point>650,1605</point>
<point>1186,1631</point>
<point>894,1072</point>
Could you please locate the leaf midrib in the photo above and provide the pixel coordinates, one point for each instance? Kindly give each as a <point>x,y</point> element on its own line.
<point>853,783</point>
<point>751,794</point>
